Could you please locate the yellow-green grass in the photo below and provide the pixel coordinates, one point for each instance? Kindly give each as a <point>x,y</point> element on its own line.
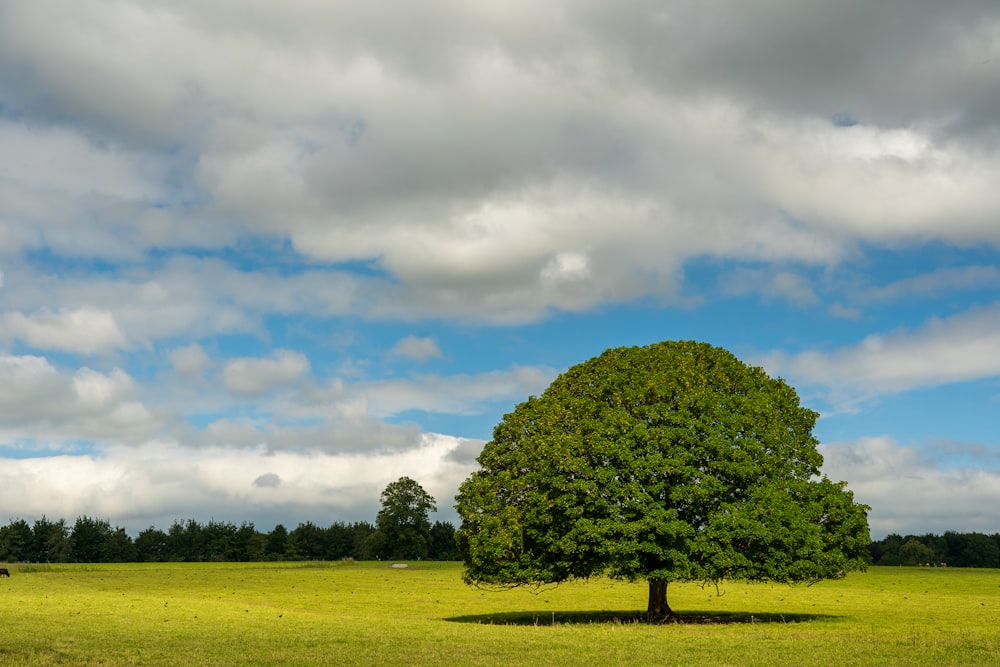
<point>373,614</point>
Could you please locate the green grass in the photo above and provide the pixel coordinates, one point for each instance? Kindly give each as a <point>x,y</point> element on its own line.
<point>370,614</point>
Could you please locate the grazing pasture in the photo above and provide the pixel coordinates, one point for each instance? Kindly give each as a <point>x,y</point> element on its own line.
<point>372,613</point>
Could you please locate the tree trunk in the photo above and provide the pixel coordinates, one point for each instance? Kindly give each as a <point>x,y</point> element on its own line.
<point>658,610</point>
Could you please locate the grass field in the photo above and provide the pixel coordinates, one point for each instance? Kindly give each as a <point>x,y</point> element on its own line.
<point>371,614</point>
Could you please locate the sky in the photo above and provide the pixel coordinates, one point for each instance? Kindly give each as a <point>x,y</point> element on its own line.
<point>260,259</point>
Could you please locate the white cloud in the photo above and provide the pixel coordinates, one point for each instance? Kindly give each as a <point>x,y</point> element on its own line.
<point>566,266</point>
<point>901,184</point>
<point>935,283</point>
<point>161,481</point>
<point>39,402</point>
<point>60,160</point>
<point>417,349</point>
<point>770,284</point>
<point>913,491</point>
<point>184,297</point>
<point>343,433</point>
<point>29,383</point>
<point>954,349</point>
<point>190,360</point>
<point>344,401</point>
<point>453,394</point>
<point>637,150</point>
<point>338,416</point>
<point>256,375</point>
<point>83,330</point>
<point>845,312</point>
<point>97,390</point>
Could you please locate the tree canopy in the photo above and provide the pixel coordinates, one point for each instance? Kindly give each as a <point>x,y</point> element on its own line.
<point>403,529</point>
<point>670,462</point>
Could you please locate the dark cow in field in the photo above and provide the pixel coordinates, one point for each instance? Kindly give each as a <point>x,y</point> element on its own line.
<point>4,572</point>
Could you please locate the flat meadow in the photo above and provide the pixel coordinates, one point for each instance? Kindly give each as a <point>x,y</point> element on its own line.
<point>374,614</point>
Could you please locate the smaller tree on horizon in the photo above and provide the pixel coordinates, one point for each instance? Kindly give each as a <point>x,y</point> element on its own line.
<point>87,539</point>
<point>16,540</point>
<point>402,526</point>
<point>276,544</point>
<point>152,545</point>
<point>51,542</point>
<point>915,552</point>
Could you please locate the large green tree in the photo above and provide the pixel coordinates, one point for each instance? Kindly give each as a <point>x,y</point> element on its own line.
<point>671,462</point>
<point>402,529</point>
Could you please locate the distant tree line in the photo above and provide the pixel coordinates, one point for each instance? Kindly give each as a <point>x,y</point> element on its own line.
<point>402,531</point>
<point>91,540</point>
<point>953,549</point>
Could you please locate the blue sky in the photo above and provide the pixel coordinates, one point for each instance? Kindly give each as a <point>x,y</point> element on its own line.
<point>256,264</point>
